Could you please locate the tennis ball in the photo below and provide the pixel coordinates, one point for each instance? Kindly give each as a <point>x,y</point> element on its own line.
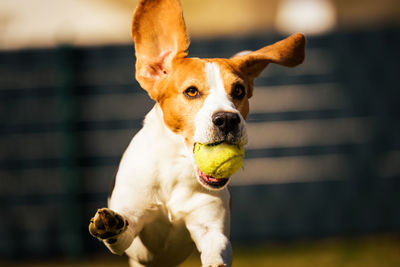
<point>218,160</point>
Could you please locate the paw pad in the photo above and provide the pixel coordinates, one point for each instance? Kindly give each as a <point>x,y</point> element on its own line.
<point>106,224</point>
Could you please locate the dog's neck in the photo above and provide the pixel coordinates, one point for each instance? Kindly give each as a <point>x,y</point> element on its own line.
<point>163,140</point>
<point>155,126</point>
<point>169,153</point>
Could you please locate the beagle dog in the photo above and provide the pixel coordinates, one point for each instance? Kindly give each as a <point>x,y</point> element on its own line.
<point>160,208</point>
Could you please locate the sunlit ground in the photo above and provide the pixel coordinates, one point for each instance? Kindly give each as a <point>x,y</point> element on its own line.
<point>372,251</point>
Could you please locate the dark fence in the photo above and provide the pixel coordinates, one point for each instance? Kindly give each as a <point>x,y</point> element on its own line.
<point>323,157</point>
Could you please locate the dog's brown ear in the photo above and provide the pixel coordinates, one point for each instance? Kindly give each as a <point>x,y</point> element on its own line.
<point>288,52</point>
<point>160,37</point>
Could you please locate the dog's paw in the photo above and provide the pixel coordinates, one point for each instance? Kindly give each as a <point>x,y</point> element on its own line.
<point>106,224</point>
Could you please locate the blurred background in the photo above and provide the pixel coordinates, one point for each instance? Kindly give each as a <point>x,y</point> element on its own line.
<point>321,180</point>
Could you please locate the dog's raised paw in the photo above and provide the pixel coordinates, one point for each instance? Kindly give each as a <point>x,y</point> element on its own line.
<point>106,224</point>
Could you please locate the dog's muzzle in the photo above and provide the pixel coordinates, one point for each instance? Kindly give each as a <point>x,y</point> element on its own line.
<point>227,127</point>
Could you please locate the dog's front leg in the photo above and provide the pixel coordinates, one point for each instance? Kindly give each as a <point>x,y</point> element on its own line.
<point>214,246</point>
<point>209,228</point>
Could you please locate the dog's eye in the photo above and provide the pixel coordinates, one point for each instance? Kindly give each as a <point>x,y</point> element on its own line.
<point>238,91</point>
<point>192,92</point>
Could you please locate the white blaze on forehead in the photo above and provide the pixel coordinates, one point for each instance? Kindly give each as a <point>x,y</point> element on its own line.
<point>217,100</point>
<point>215,83</point>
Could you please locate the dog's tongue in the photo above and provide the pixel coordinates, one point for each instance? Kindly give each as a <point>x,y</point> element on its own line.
<point>207,177</point>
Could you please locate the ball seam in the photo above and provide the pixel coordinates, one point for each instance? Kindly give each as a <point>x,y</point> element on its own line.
<point>222,163</point>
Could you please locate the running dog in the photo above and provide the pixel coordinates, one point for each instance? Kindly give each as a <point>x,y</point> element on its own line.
<point>160,208</point>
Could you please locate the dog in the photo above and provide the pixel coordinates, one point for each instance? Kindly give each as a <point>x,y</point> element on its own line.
<point>161,208</point>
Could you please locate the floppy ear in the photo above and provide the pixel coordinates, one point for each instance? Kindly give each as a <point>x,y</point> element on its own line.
<point>160,37</point>
<point>288,52</point>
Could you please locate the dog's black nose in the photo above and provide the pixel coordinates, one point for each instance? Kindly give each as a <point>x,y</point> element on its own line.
<point>226,121</point>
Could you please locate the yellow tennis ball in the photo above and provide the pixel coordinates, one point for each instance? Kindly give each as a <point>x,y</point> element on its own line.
<point>219,161</point>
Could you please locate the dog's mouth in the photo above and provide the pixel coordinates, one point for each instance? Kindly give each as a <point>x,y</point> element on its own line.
<point>211,182</point>
<point>207,180</point>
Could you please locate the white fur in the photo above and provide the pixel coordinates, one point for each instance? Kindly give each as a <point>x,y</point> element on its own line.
<point>242,53</point>
<point>217,100</point>
<point>157,192</point>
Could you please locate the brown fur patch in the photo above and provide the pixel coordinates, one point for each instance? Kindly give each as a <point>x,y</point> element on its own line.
<point>180,111</point>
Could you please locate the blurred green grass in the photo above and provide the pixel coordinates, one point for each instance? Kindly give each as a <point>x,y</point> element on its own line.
<point>370,251</point>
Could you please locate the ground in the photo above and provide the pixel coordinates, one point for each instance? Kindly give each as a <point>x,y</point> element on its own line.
<point>371,251</point>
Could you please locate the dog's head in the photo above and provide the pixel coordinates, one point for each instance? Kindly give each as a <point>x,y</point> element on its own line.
<point>203,100</point>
